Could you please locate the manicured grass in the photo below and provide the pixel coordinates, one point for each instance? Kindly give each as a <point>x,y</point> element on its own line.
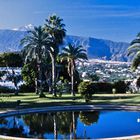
<point>29,100</point>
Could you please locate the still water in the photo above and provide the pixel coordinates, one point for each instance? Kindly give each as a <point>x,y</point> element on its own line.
<point>71,125</point>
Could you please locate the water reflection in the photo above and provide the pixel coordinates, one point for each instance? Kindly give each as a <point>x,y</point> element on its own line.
<point>71,125</point>
<point>43,125</point>
<point>88,118</point>
<point>12,126</point>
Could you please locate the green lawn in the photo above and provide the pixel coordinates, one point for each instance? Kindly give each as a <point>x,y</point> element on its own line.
<point>31,100</point>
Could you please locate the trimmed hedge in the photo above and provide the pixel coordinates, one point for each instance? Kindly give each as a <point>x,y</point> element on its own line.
<point>103,87</point>
<point>120,86</point>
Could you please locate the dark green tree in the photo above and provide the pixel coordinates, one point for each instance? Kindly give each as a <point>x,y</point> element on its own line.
<point>12,60</point>
<point>36,48</point>
<point>29,74</point>
<point>71,53</point>
<point>55,28</point>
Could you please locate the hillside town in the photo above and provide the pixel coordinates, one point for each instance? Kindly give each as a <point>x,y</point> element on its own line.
<point>105,71</point>
<point>109,71</point>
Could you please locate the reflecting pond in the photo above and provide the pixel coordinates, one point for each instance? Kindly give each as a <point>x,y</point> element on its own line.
<point>72,125</point>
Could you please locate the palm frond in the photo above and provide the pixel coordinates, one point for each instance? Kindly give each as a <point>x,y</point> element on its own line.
<point>82,56</point>
<point>133,48</point>
<point>137,40</point>
<point>136,61</point>
<point>36,44</point>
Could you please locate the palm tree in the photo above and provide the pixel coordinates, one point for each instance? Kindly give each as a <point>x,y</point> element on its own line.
<point>35,44</point>
<point>55,28</point>
<point>71,53</point>
<point>134,50</point>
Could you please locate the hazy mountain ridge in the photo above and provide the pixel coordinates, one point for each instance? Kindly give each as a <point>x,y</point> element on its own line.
<point>96,48</point>
<point>101,48</point>
<point>10,40</point>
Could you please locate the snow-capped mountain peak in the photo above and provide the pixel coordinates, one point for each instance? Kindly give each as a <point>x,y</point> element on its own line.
<point>24,28</point>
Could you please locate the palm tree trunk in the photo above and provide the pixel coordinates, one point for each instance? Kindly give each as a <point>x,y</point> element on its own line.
<point>53,75</point>
<point>40,79</point>
<point>36,86</point>
<point>74,127</point>
<point>71,124</point>
<point>14,80</point>
<point>72,80</point>
<point>55,126</point>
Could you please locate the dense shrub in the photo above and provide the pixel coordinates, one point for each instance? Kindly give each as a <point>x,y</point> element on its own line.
<point>103,87</point>
<point>4,89</point>
<point>138,82</point>
<point>26,88</point>
<point>120,86</point>
<point>86,90</point>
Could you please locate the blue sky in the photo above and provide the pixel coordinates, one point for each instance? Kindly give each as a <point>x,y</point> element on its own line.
<point>117,20</point>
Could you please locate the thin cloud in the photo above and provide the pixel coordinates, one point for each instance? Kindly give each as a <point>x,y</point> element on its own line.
<point>94,11</point>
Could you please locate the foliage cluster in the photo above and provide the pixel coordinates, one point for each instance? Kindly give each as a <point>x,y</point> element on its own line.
<point>4,89</point>
<point>86,90</point>
<point>11,59</point>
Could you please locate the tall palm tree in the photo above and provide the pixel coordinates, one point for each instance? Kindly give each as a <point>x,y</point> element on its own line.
<point>55,28</point>
<point>71,53</point>
<point>134,50</point>
<point>35,48</point>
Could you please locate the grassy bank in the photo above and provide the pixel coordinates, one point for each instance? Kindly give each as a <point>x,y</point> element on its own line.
<point>31,100</point>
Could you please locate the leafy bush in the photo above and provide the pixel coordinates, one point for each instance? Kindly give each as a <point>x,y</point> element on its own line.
<point>11,59</point>
<point>86,90</point>
<point>26,88</point>
<point>138,82</point>
<point>4,89</point>
<point>103,87</point>
<point>120,86</point>
<point>29,73</point>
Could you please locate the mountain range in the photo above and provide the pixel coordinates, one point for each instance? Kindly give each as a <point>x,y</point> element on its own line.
<point>96,48</point>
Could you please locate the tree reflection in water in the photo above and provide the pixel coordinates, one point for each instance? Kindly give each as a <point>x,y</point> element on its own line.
<point>42,125</point>
<point>88,118</point>
<point>39,124</point>
<point>11,127</point>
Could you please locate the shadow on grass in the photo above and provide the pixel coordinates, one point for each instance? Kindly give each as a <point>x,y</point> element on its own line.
<point>13,105</point>
<point>67,100</point>
<point>64,97</point>
<point>115,97</point>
